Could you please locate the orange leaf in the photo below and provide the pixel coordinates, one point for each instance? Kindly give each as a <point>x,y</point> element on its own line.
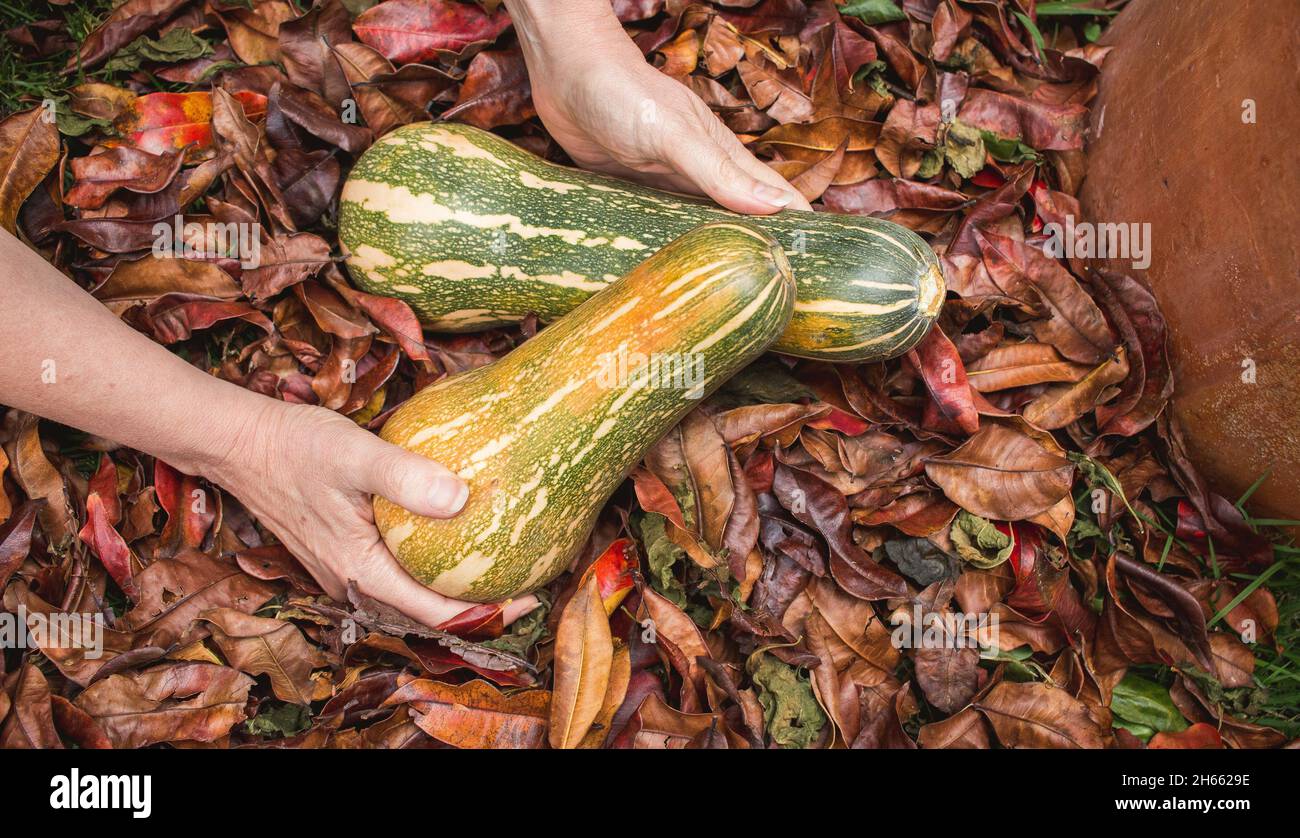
<point>584,654</point>
<point>476,714</point>
<point>161,122</point>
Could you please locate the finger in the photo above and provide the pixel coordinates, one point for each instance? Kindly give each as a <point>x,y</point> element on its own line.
<point>517,608</point>
<point>388,582</point>
<point>704,161</point>
<point>409,480</point>
<point>760,170</point>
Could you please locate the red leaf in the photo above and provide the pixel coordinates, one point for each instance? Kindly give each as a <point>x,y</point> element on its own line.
<point>484,621</point>
<point>940,366</point>
<point>104,483</point>
<point>188,508</point>
<point>107,544</point>
<point>407,31</point>
<point>162,122</point>
<point>1198,736</point>
<point>614,573</point>
<point>842,421</point>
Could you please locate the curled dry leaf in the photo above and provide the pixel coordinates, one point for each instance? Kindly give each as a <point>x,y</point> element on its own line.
<point>583,658</point>
<point>29,148</point>
<point>169,703</point>
<point>262,646</point>
<point>1002,474</point>
<point>1036,715</point>
<point>408,31</point>
<point>476,714</point>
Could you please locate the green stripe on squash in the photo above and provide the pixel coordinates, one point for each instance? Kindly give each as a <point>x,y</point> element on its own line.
<point>473,231</point>
<point>546,434</point>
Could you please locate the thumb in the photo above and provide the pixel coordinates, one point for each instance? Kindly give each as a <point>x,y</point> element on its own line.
<point>411,480</point>
<point>707,164</point>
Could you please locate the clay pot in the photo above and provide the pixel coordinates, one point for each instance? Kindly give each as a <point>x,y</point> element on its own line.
<point>1174,145</point>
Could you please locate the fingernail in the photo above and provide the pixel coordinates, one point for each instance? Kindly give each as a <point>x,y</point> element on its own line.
<point>772,195</point>
<point>448,495</point>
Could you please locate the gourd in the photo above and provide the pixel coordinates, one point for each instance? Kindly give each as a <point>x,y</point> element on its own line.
<point>544,435</point>
<point>473,231</point>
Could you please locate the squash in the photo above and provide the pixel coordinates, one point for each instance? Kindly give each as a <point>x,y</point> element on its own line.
<point>473,231</point>
<point>546,434</point>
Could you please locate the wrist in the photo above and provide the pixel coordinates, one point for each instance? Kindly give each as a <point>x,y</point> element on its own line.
<point>228,437</point>
<point>548,32</point>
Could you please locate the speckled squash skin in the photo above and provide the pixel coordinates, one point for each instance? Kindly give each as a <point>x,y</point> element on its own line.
<point>546,434</point>
<point>473,231</point>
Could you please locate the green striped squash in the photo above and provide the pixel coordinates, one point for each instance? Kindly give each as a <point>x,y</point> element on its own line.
<point>472,231</point>
<point>546,434</point>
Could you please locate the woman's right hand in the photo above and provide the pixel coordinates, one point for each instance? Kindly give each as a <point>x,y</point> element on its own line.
<point>308,474</point>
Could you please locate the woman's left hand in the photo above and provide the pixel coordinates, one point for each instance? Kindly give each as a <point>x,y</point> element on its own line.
<point>612,112</point>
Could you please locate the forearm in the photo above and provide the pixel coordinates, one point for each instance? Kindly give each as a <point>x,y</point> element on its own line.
<point>68,358</point>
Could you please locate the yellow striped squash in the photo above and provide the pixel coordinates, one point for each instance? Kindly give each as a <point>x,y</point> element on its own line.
<point>546,434</point>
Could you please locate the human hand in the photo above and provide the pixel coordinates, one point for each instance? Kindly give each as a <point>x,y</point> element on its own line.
<point>308,474</point>
<point>612,112</point>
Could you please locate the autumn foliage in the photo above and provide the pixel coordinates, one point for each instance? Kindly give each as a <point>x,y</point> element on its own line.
<point>749,585</point>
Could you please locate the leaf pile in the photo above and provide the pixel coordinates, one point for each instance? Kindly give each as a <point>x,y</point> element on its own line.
<point>789,567</point>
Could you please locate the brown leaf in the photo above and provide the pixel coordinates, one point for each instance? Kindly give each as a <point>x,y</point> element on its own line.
<point>966,729</point>
<point>169,703</point>
<point>947,675</point>
<point>77,725</point>
<point>305,47</point>
<point>77,645</point>
<point>819,505</point>
<point>175,591</point>
<point>1150,383</point>
<point>620,676</point>
<point>681,641</point>
<point>107,544</point>
<point>1041,125</point>
<point>285,261</point>
<point>254,32</point>
<point>38,477</point>
<point>30,724</point>
<point>16,539</point>
<point>936,358</point>
<point>123,25</point>
<point>583,659</point>
<point>706,460</point>
<point>476,714</point>
<point>387,97</point>
<point>1002,474</point>
<point>657,726</point>
<point>261,646</point>
<point>135,281</point>
<point>1075,325</point>
<point>1036,715</point>
<point>123,167</point>
<point>29,148</point>
<point>777,91</point>
<point>318,118</point>
<point>175,317</point>
<point>1062,404</point>
<point>1021,365</point>
<point>883,718</point>
<point>495,91</point>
